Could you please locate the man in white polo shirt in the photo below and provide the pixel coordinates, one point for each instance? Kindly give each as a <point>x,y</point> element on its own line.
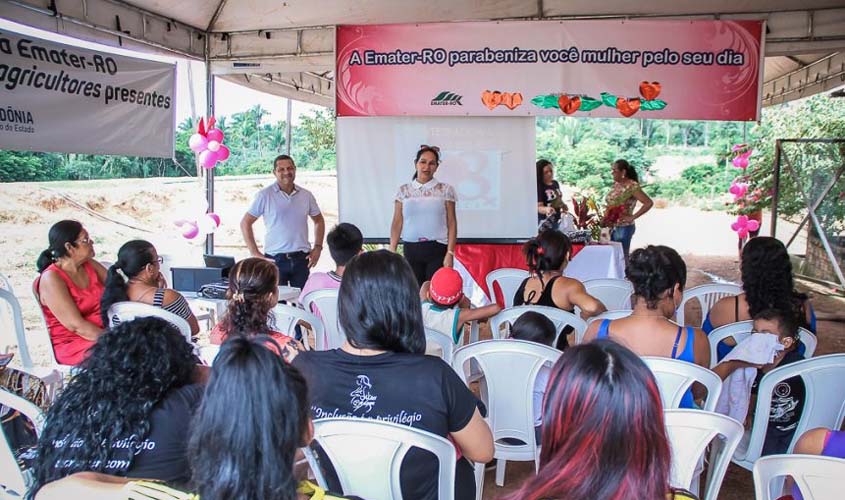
<point>286,208</point>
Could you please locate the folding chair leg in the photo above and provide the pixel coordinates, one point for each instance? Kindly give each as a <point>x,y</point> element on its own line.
<point>500,472</point>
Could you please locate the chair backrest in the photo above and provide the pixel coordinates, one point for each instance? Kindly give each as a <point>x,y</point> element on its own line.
<point>127,311</point>
<point>674,377</point>
<point>12,321</point>
<point>740,330</point>
<point>611,315</point>
<point>707,296</point>
<point>509,279</point>
<point>613,293</point>
<point>824,401</point>
<point>559,317</point>
<point>510,368</point>
<point>690,432</point>
<point>12,477</point>
<point>439,344</point>
<point>325,301</point>
<point>287,317</point>
<point>367,455</point>
<point>818,478</point>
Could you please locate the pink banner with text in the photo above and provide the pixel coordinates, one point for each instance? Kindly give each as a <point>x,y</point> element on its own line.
<point>689,70</point>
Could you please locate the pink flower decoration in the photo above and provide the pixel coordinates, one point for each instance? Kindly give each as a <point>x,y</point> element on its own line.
<point>744,225</point>
<point>741,160</point>
<point>738,189</point>
<point>739,147</point>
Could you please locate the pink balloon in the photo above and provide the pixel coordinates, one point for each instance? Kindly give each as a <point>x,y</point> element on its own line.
<point>222,153</point>
<point>215,134</point>
<point>197,143</point>
<point>208,159</point>
<point>216,218</point>
<point>190,231</point>
<point>738,189</point>
<point>213,146</point>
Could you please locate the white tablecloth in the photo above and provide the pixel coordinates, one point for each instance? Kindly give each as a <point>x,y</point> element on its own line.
<point>287,294</point>
<point>598,261</point>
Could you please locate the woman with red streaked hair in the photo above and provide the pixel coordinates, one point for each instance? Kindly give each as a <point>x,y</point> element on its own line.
<point>603,431</point>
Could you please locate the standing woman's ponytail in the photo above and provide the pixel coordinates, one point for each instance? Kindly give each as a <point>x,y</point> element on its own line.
<point>62,233</point>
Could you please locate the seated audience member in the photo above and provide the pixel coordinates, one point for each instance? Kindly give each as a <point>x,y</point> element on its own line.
<point>242,443</point>
<point>603,431</point>
<point>547,256</point>
<point>127,411</point>
<point>819,441</point>
<point>446,309</point>
<point>534,327</point>
<point>136,277</point>
<point>767,284</point>
<point>658,275</point>
<point>788,396</point>
<point>253,293</point>
<point>345,241</point>
<point>380,372</point>
<point>68,289</point>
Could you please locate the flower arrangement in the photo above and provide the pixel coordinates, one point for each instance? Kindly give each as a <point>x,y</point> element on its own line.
<point>591,216</point>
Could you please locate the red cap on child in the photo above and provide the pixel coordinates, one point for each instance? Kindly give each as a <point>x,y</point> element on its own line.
<point>446,286</point>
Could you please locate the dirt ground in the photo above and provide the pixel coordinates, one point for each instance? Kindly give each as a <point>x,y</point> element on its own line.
<point>146,208</point>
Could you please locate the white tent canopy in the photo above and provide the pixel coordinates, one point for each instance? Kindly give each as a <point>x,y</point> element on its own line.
<point>286,48</point>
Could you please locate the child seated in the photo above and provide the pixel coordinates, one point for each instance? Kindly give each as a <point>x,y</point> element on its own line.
<point>788,396</point>
<point>534,327</point>
<point>445,308</point>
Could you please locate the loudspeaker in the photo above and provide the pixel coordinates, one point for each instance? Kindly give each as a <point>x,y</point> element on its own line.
<point>190,279</point>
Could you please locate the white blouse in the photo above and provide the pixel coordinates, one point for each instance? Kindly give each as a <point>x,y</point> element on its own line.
<point>424,210</point>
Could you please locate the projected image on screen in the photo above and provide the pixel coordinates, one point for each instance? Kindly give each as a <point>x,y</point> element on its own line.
<point>489,162</point>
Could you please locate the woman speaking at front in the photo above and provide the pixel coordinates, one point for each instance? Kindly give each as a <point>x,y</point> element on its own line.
<point>424,216</point>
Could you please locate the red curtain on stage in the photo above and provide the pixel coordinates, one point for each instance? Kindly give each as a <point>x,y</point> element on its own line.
<point>479,259</point>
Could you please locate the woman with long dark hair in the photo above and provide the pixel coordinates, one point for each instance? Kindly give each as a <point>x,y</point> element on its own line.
<point>424,217</point>
<point>547,256</point>
<point>767,283</point>
<point>136,277</point>
<point>603,434</point>
<point>126,412</point>
<point>658,275</point>
<point>625,193</point>
<point>549,197</point>
<point>68,288</point>
<point>253,293</point>
<point>380,372</point>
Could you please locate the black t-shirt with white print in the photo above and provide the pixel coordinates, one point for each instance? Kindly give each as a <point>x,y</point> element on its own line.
<point>787,405</point>
<point>163,454</point>
<point>419,391</point>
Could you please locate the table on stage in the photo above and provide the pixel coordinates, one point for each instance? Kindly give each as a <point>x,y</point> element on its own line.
<point>217,307</point>
<point>475,261</point>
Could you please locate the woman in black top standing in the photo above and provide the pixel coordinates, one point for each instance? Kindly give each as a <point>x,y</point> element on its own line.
<point>549,196</point>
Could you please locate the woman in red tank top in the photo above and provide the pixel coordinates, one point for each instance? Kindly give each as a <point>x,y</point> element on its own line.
<point>69,288</point>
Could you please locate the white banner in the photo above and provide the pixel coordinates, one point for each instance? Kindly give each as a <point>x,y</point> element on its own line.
<point>60,98</point>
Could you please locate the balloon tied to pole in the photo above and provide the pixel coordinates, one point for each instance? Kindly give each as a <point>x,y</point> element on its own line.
<point>194,219</point>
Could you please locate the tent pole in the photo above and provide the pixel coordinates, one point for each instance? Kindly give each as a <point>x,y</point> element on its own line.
<point>209,107</point>
<point>287,127</point>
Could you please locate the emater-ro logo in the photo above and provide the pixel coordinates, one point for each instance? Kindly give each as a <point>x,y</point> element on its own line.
<point>447,98</point>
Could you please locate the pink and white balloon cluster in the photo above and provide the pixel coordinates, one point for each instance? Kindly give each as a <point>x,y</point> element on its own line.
<point>739,189</point>
<point>195,219</point>
<point>207,143</point>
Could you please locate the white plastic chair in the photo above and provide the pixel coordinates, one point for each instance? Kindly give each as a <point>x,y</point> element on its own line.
<point>613,293</point>
<point>674,377</point>
<point>12,320</point>
<point>818,478</point>
<point>367,456</point>
<point>707,296</point>
<point>208,353</point>
<point>439,344</point>
<point>127,311</point>
<point>559,317</point>
<point>13,482</point>
<point>611,315</point>
<point>690,432</point>
<point>510,368</point>
<point>325,301</point>
<point>287,317</point>
<point>740,330</point>
<point>509,279</point>
<point>824,402</point>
